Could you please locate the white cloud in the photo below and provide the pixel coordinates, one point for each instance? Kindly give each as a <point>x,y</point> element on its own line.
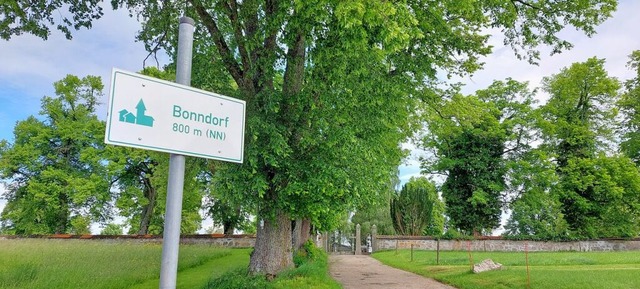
<point>614,41</point>
<point>31,65</point>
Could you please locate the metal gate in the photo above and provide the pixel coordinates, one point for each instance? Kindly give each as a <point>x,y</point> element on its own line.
<point>340,243</point>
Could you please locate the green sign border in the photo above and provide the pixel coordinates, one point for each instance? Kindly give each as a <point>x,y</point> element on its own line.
<point>115,73</point>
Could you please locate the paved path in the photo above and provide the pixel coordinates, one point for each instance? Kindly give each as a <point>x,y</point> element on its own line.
<point>364,272</point>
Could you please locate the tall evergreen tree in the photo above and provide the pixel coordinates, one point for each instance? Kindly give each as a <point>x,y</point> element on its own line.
<point>412,210</point>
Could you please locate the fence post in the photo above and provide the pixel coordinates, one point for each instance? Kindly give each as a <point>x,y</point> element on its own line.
<point>437,251</point>
<point>411,251</point>
<point>526,257</point>
<point>470,256</point>
<point>396,245</point>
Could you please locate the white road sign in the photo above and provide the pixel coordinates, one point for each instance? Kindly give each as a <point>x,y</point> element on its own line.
<point>154,114</point>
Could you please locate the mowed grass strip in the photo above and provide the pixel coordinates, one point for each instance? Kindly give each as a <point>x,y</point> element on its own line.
<point>40,263</point>
<point>198,277</point>
<point>556,270</point>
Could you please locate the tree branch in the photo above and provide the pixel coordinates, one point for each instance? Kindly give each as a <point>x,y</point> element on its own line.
<point>525,4</point>
<point>154,51</point>
<point>269,44</point>
<point>228,60</point>
<point>232,12</point>
<point>294,73</point>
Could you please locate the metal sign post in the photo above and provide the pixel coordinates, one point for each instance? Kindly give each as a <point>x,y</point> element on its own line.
<point>171,235</point>
<point>153,114</point>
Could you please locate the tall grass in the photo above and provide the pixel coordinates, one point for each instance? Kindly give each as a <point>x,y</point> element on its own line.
<point>556,270</point>
<point>36,263</point>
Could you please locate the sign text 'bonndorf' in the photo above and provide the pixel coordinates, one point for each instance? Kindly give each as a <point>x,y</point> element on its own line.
<point>154,114</point>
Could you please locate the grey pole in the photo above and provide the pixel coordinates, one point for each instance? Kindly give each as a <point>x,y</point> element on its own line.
<point>171,236</point>
<point>358,243</point>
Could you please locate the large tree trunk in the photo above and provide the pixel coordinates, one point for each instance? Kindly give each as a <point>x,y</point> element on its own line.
<point>296,234</point>
<point>272,252</point>
<point>306,230</point>
<point>301,232</point>
<point>147,211</point>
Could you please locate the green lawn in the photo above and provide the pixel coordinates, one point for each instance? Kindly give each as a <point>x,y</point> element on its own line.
<point>557,270</point>
<point>37,263</point>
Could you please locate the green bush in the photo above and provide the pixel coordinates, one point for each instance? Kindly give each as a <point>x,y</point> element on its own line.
<point>308,253</point>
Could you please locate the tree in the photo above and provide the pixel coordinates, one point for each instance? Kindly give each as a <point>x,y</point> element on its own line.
<point>600,197</point>
<point>329,86</point>
<point>435,227</point>
<point>474,139</point>
<point>20,17</point>
<point>137,189</point>
<point>141,181</point>
<point>56,178</point>
<point>374,214</point>
<point>223,211</point>
<point>412,209</point>
<point>579,118</point>
<point>629,105</point>
<point>377,213</point>
<point>229,216</point>
<point>597,189</point>
<point>535,208</point>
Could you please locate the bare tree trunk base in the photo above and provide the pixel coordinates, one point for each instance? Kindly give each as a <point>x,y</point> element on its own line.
<point>272,252</point>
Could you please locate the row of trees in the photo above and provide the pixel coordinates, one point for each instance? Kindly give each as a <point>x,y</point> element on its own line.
<point>566,169</point>
<point>330,86</point>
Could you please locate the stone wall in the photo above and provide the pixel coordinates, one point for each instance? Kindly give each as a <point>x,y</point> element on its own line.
<point>380,242</point>
<point>499,244</point>
<point>217,240</point>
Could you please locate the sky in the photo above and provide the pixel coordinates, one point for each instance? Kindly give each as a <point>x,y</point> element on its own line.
<point>30,65</point>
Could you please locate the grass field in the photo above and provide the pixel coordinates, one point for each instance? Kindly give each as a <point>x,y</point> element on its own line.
<point>35,263</point>
<point>557,270</point>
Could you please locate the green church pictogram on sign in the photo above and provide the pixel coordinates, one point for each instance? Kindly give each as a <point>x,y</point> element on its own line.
<point>139,118</point>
